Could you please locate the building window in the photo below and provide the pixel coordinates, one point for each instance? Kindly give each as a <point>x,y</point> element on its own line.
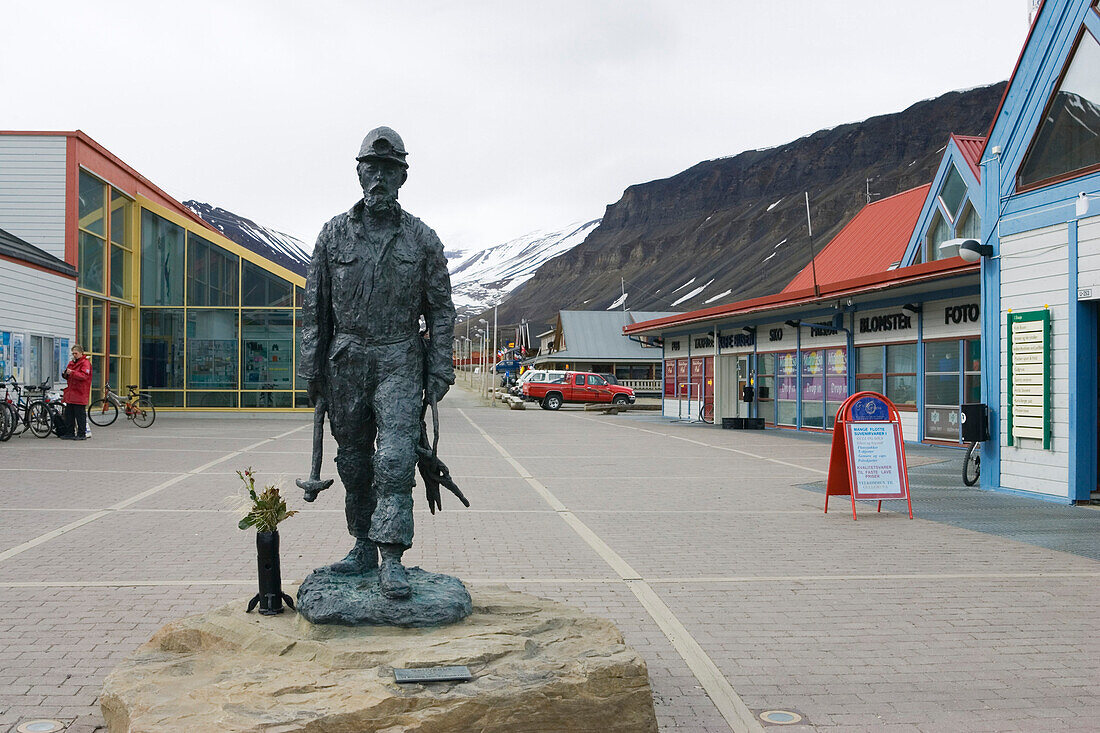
<point>786,375</point>
<point>212,274</point>
<point>813,389</point>
<point>162,261</point>
<point>260,289</point>
<point>952,375</point>
<point>268,343</point>
<point>836,383</point>
<point>765,387</point>
<point>212,349</point>
<point>122,246</point>
<point>1067,141</point>
<point>42,361</point>
<point>898,380</point>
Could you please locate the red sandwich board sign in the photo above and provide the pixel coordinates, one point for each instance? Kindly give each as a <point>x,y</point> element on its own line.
<point>868,455</point>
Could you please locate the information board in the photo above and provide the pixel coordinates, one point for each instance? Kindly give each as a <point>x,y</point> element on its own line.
<point>875,467</point>
<point>868,453</point>
<point>1029,376</point>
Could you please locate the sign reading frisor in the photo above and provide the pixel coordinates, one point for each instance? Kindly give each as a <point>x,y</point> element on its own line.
<point>888,322</point>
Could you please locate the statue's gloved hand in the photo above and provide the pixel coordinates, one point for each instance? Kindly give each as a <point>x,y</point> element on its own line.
<point>437,386</point>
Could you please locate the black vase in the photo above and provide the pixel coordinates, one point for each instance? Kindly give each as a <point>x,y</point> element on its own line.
<point>271,596</point>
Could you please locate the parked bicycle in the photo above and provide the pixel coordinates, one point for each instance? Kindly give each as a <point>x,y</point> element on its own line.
<point>31,413</point>
<point>972,464</point>
<point>706,412</point>
<point>138,408</point>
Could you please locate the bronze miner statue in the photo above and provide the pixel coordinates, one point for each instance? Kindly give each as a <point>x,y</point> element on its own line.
<point>377,326</point>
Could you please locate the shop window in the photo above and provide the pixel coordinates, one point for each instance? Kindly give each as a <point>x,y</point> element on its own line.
<point>119,342</point>
<point>1067,141</point>
<point>267,399</point>
<point>299,297</point>
<point>869,369</point>
<point>299,383</point>
<point>786,405</point>
<point>972,374</point>
<point>209,400</point>
<point>765,387</point>
<point>941,389</point>
<point>267,341</point>
<point>212,274</point>
<point>898,380</point>
<point>901,374</point>
<point>42,361</point>
<point>162,347</point>
<point>165,398</point>
<point>162,261</point>
<point>836,383</point>
<point>260,289</point>
<point>212,350</point>
<point>813,389</point>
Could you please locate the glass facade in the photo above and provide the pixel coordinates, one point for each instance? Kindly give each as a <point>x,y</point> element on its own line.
<point>105,266</point>
<point>216,330</point>
<point>890,370</point>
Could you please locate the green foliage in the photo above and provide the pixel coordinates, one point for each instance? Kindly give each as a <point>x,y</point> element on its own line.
<point>265,510</point>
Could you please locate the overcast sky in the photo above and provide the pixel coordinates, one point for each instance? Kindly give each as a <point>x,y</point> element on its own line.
<point>516,115</point>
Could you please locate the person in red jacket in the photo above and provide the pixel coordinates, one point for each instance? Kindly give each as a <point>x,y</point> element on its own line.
<point>77,395</point>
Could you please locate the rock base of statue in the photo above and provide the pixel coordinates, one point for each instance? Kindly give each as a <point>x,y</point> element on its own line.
<point>326,597</point>
<point>536,666</point>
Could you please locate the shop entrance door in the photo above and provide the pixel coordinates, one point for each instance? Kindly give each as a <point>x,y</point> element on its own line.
<point>744,409</point>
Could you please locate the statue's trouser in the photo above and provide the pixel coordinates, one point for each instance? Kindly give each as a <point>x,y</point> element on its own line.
<point>374,399</point>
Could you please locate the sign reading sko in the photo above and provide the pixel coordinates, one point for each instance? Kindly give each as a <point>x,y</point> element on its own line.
<point>868,454</point>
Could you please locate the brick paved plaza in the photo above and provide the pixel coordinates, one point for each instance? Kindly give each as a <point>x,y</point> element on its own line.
<point>707,547</point>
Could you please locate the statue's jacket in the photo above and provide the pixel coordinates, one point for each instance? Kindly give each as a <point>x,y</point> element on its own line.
<point>361,292</point>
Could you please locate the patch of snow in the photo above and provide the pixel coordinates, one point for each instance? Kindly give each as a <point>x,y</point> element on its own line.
<point>618,301</point>
<point>693,293</point>
<point>767,258</point>
<point>716,297</point>
<point>780,244</point>
<point>776,203</point>
<point>689,282</point>
<point>484,277</point>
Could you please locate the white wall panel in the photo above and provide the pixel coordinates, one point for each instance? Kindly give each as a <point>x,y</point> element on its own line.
<point>33,301</point>
<point>1035,275</point>
<point>32,190</point>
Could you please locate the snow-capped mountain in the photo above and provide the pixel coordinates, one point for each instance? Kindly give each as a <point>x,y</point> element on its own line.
<point>482,279</point>
<point>276,246</point>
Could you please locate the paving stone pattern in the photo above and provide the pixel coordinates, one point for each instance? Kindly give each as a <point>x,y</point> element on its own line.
<point>978,615</point>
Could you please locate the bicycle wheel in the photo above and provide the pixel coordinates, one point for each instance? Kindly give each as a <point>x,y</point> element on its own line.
<point>142,412</point>
<point>40,419</point>
<point>972,464</point>
<point>8,418</point>
<point>102,413</point>
<point>20,419</point>
<point>706,413</point>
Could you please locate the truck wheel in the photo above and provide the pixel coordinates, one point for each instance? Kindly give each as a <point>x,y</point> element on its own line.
<point>620,399</point>
<point>552,401</point>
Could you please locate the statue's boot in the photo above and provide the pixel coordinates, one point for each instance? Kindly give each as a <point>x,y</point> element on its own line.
<point>392,578</point>
<point>362,559</point>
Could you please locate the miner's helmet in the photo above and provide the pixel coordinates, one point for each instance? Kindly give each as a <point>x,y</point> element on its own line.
<point>383,143</point>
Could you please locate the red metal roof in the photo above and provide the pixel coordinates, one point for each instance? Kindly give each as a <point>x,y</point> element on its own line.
<point>873,240</point>
<point>911,275</point>
<point>971,148</point>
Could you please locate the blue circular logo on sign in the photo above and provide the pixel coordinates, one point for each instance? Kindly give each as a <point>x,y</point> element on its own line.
<point>870,409</point>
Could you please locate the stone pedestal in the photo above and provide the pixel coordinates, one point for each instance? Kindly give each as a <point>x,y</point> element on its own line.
<point>326,597</point>
<point>537,666</point>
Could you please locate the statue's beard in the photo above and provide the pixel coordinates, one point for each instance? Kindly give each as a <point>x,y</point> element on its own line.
<point>382,206</point>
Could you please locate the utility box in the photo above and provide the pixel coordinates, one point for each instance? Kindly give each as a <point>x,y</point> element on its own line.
<point>975,422</point>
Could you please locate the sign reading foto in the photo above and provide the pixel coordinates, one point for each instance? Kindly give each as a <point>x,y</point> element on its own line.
<point>868,454</point>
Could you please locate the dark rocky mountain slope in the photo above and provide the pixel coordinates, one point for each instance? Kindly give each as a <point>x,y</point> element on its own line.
<point>719,220</point>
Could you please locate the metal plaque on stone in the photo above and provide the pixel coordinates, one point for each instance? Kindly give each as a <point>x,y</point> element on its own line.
<point>432,674</point>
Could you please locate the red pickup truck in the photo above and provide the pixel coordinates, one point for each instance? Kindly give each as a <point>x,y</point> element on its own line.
<point>551,389</point>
